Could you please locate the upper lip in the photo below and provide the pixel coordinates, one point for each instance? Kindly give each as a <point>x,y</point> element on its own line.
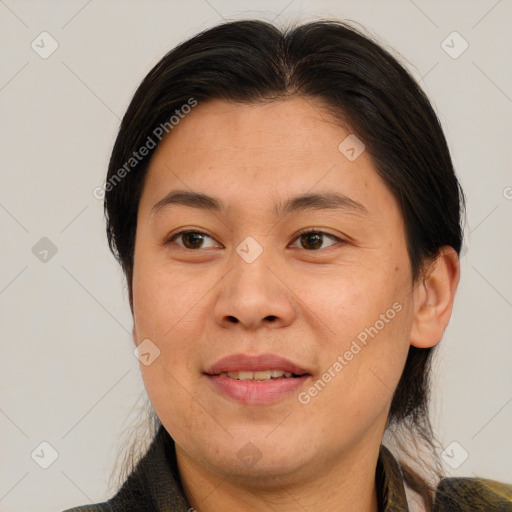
<point>245,362</point>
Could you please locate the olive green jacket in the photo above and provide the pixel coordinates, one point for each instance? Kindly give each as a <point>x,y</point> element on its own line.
<point>154,486</point>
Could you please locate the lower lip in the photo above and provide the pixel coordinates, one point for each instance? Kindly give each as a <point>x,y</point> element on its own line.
<point>253,392</point>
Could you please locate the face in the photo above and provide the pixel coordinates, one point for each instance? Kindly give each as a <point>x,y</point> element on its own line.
<point>333,306</point>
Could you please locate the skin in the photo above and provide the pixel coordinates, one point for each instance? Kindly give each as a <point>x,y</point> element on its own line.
<point>320,455</point>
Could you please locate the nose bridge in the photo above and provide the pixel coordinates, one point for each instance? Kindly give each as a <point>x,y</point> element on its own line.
<point>250,250</point>
<point>251,293</point>
<point>251,262</point>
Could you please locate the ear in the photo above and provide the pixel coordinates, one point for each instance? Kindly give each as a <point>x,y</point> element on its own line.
<point>433,299</point>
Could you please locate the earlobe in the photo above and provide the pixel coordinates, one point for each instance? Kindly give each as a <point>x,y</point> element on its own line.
<point>433,299</point>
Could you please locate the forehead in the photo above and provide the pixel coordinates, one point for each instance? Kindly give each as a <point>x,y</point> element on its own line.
<point>259,155</point>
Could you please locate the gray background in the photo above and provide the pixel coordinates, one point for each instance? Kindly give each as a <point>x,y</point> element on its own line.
<point>68,376</point>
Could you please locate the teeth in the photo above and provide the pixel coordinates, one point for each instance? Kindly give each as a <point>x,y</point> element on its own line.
<point>262,375</point>
<point>259,375</point>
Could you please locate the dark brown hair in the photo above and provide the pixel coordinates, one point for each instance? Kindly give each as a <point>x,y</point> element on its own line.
<point>363,86</point>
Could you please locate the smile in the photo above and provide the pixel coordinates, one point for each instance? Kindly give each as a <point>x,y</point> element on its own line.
<point>259,375</point>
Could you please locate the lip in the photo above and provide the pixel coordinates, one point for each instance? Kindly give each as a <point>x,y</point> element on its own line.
<point>256,392</point>
<point>245,362</point>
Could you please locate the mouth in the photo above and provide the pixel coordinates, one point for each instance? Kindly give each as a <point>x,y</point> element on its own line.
<point>256,367</point>
<point>260,376</point>
<point>256,380</point>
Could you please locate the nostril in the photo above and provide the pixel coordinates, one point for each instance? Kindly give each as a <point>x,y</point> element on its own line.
<point>235,320</point>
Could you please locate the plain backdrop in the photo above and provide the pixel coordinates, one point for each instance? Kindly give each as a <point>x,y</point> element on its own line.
<point>68,376</point>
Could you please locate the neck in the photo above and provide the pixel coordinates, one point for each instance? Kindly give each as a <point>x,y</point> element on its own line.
<point>344,484</point>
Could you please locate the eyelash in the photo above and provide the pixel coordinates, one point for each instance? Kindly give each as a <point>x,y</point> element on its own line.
<point>174,236</point>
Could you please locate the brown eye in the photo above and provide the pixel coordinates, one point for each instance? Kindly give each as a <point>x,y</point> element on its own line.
<point>190,239</point>
<point>312,240</point>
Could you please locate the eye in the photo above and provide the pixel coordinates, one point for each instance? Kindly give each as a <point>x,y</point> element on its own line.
<point>314,238</point>
<point>311,238</point>
<point>191,239</point>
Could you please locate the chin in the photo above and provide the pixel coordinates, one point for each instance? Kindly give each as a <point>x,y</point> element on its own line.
<point>258,457</point>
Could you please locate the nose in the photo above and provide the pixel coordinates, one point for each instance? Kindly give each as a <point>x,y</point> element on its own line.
<point>254,294</point>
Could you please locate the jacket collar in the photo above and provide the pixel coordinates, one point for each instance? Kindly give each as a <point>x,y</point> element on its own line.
<point>155,482</point>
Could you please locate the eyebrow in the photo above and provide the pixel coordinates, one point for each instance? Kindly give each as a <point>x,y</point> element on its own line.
<point>309,201</point>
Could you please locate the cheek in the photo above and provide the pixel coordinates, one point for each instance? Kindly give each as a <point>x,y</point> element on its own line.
<point>165,299</point>
<point>177,405</point>
<point>349,301</point>
<point>164,313</point>
<point>170,321</point>
<point>363,357</point>
<point>354,393</point>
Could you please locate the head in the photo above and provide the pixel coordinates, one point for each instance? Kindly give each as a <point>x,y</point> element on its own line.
<point>252,136</point>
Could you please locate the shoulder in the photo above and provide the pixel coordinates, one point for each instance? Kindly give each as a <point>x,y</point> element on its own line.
<point>473,494</point>
<point>96,507</point>
<point>116,504</point>
<point>150,487</point>
<point>130,498</point>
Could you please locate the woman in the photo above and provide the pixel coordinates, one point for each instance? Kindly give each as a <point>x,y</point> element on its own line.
<point>286,212</point>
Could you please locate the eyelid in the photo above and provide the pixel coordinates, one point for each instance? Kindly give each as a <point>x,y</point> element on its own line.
<point>315,230</point>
